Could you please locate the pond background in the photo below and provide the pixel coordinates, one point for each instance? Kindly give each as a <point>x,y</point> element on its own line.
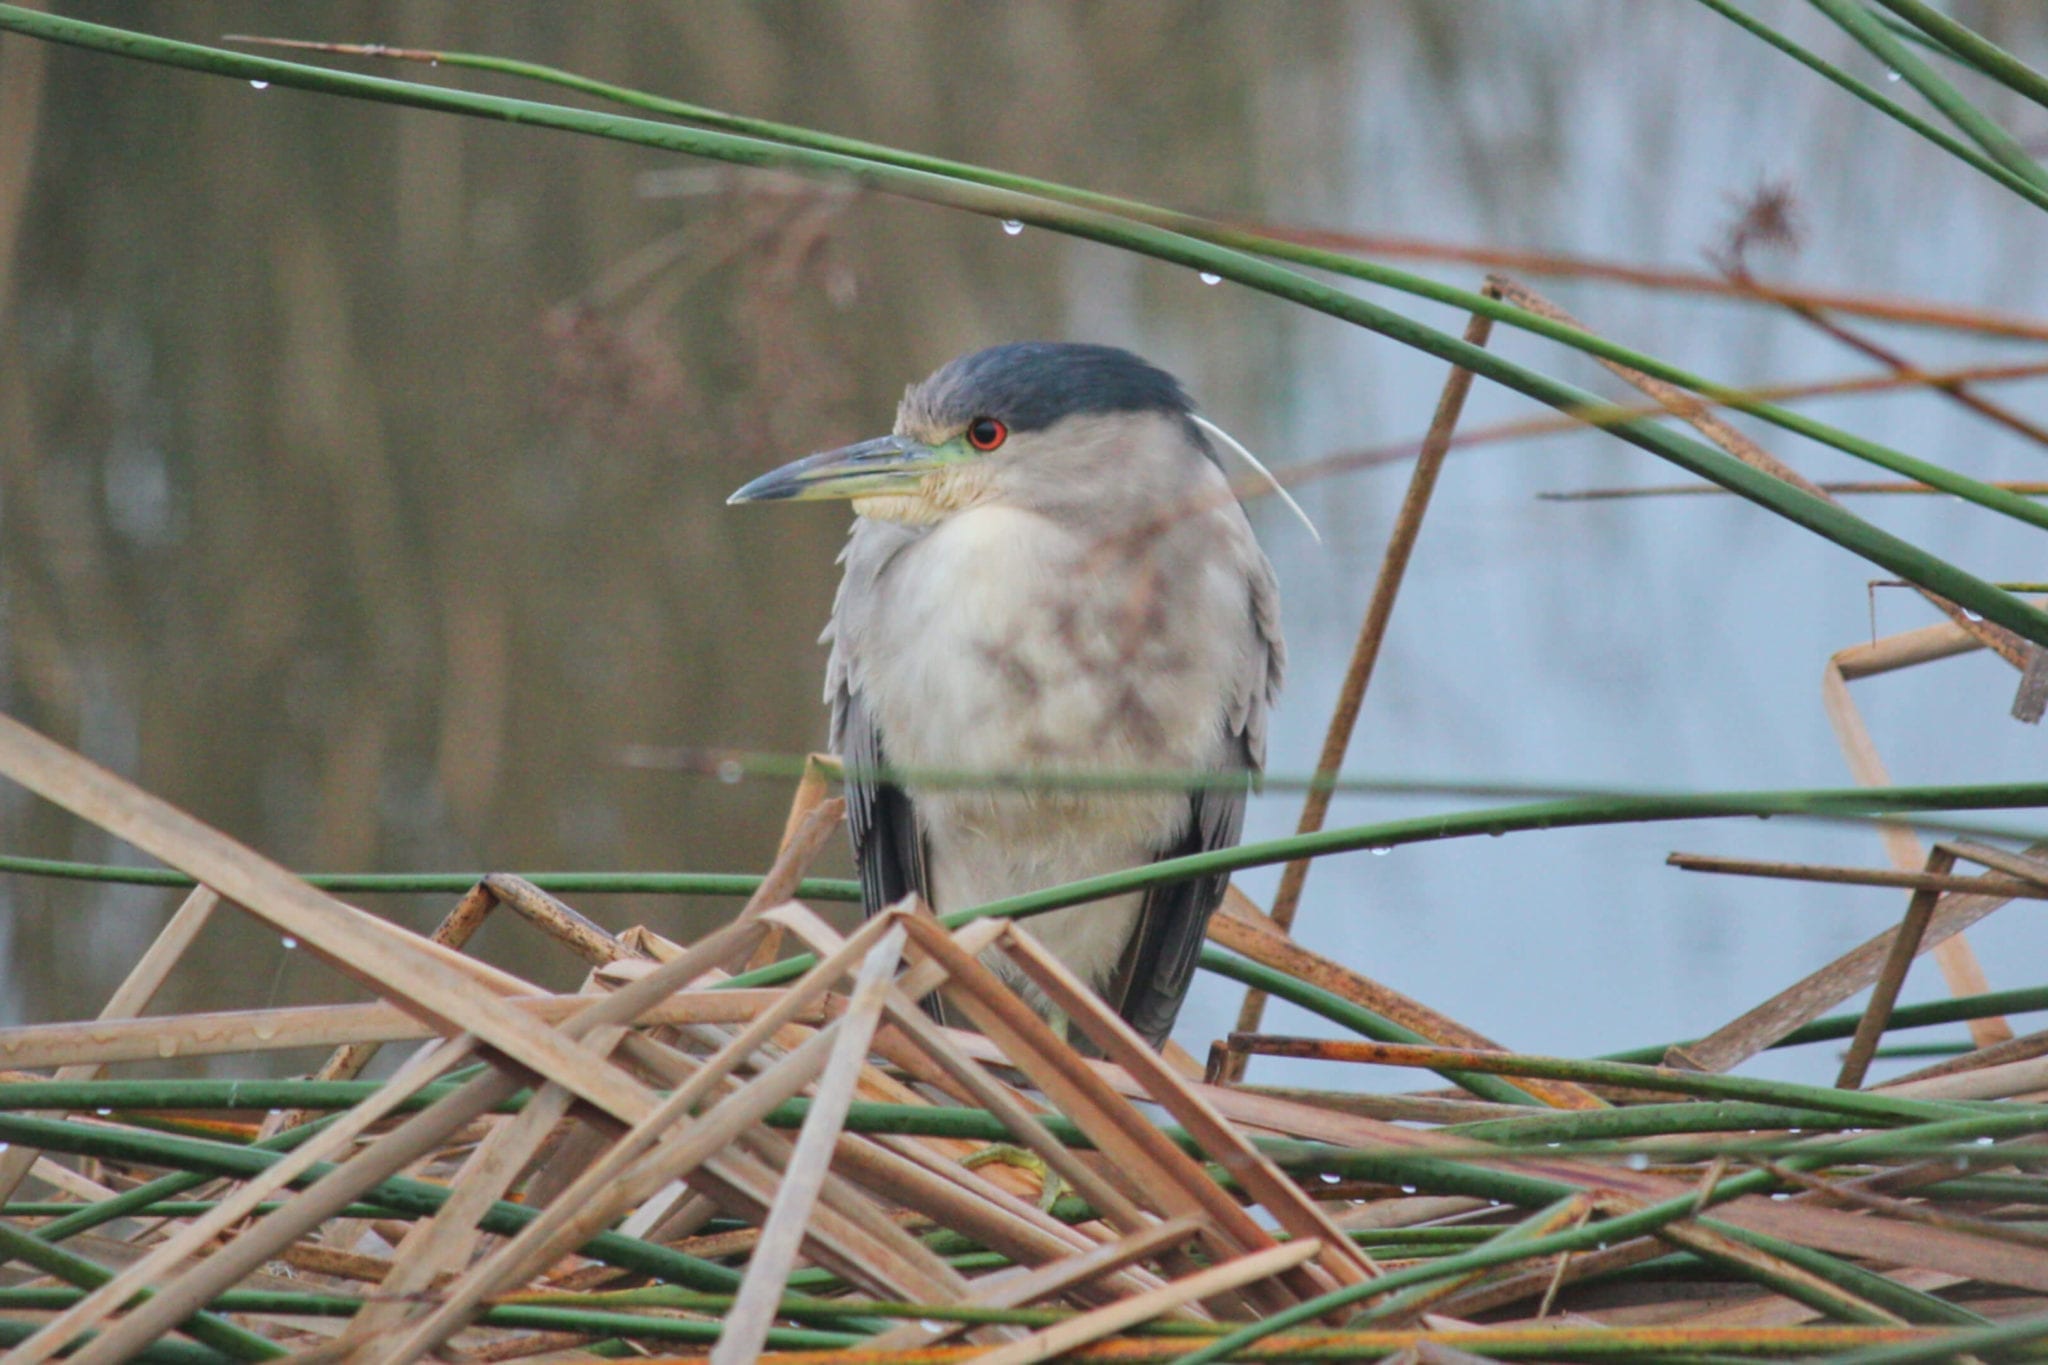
<point>362,471</point>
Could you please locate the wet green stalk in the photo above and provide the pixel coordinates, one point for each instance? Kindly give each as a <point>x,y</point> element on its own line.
<point>1469,824</point>
<point>452,883</point>
<point>73,1269</point>
<point>1967,45</point>
<point>1870,95</point>
<point>1860,24</point>
<point>1815,514</point>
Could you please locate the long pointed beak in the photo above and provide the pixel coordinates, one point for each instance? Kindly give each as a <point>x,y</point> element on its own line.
<point>887,464</point>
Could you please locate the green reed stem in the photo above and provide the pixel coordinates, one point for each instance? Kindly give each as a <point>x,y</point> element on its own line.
<point>1967,45</point>
<point>1870,95</point>
<point>1815,514</point>
<point>1860,24</point>
<point>73,1269</point>
<point>451,883</point>
<point>1500,820</point>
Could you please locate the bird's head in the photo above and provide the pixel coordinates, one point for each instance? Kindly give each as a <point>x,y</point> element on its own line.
<point>1020,424</point>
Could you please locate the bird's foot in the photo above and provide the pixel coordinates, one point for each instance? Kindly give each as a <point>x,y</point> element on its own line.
<point>1050,1186</point>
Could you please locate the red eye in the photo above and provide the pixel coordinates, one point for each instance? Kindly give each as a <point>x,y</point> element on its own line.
<point>986,433</point>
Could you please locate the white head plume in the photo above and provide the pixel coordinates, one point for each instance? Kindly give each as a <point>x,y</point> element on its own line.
<point>1230,442</point>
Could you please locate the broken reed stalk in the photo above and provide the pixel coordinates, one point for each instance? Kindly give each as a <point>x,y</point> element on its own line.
<point>1905,946</point>
<point>1859,876</point>
<point>1959,966</point>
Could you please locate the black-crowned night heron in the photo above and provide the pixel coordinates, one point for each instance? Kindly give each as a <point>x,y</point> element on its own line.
<point>1048,572</point>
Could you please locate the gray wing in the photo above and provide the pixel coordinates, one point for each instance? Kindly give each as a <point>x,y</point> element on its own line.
<point>887,846</point>
<point>1159,965</point>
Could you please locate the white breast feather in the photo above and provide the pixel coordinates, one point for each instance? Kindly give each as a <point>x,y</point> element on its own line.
<point>996,663</point>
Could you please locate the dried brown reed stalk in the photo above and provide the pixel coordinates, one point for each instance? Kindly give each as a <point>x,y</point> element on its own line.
<point>725,1058</point>
<point>662,1121</point>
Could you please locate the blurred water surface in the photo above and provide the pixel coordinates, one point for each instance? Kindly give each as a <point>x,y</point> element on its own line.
<point>362,470</point>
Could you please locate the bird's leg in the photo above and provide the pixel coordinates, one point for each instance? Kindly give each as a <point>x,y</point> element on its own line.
<point>1056,1020</point>
<point>1050,1185</point>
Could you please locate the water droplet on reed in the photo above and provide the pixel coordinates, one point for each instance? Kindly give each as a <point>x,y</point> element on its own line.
<point>289,942</point>
<point>1382,851</point>
<point>1891,75</point>
<point>1329,1177</point>
<point>1211,277</point>
<point>103,1113</point>
<point>1638,1161</point>
<point>259,85</point>
<point>1012,226</point>
<point>1407,1189</point>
